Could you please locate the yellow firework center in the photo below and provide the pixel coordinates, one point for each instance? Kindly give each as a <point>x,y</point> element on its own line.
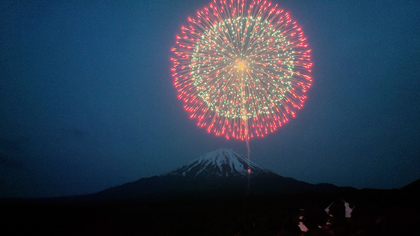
<point>241,65</point>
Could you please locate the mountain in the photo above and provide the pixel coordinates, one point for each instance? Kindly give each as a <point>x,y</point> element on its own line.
<point>412,187</point>
<point>215,194</point>
<point>222,172</point>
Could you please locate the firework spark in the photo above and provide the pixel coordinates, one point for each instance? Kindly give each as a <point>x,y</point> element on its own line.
<point>241,68</point>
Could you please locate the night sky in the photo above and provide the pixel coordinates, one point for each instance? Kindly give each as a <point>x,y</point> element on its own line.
<point>87,99</point>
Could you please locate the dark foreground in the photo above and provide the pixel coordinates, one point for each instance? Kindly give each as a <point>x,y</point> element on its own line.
<point>375,212</point>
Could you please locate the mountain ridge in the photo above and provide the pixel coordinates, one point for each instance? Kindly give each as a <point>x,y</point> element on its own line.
<point>219,172</point>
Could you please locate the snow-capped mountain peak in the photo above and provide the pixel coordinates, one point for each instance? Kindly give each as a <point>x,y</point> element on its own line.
<point>219,163</point>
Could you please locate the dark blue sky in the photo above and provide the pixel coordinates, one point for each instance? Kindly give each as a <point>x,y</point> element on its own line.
<point>87,101</point>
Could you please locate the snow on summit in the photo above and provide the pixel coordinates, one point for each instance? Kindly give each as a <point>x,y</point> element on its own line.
<point>219,163</point>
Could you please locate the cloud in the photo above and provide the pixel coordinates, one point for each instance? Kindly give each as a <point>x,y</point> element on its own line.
<point>10,145</point>
<point>9,149</point>
<point>78,132</point>
<point>73,132</point>
<point>7,161</point>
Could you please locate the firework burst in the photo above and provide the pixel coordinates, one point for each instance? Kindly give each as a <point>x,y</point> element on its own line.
<point>242,68</point>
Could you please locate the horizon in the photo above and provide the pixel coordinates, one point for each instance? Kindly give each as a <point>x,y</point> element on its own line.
<point>207,157</point>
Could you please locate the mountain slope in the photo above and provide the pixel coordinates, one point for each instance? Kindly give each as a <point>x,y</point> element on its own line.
<point>220,172</point>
